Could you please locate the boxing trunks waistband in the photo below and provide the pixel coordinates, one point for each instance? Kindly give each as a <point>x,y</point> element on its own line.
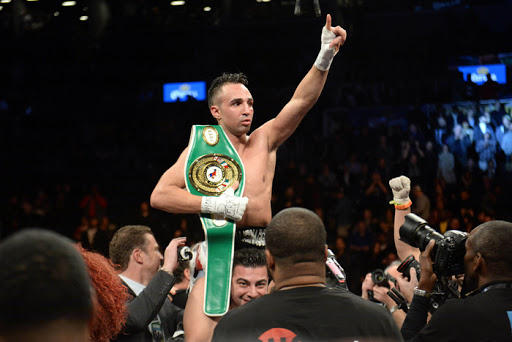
<point>250,237</point>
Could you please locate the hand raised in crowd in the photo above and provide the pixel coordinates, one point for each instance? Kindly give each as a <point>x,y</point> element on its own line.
<point>401,186</point>
<point>171,254</point>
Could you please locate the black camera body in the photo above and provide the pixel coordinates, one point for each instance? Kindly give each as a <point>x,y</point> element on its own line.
<point>381,278</point>
<point>447,256</point>
<point>407,264</point>
<point>449,250</point>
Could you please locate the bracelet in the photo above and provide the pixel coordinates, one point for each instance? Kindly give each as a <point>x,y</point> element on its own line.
<point>393,309</point>
<point>166,271</point>
<point>421,293</point>
<point>401,206</point>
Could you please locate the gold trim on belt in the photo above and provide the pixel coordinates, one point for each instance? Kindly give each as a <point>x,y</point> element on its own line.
<point>212,174</point>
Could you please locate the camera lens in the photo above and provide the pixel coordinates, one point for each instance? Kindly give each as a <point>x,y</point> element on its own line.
<point>379,278</point>
<point>416,232</point>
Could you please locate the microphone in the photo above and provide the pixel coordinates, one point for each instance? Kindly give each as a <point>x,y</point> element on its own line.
<point>336,269</point>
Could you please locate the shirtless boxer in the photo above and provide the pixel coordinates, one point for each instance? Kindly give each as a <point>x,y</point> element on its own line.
<point>231,104</point>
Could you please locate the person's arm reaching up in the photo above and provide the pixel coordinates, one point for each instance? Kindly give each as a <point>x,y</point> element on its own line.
<point>401,186</point>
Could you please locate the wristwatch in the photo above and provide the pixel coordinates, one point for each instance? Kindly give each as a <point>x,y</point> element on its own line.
<point>421,293</point>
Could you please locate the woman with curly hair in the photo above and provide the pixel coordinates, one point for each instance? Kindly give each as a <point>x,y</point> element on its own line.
<point>110,309</point>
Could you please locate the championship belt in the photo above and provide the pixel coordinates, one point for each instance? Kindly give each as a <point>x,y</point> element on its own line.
<point>213,165</point>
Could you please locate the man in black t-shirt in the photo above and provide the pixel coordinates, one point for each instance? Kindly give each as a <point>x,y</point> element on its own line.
<point>302,308</point>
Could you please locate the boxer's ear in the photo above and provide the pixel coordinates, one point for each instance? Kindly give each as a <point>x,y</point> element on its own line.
<point>215,112</point>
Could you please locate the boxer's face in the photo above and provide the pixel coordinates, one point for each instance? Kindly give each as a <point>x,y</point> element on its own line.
<point>248,283</point>
<point>234,110</point>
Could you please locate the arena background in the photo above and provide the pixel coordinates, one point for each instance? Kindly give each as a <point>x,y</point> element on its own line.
<point>81,96</point>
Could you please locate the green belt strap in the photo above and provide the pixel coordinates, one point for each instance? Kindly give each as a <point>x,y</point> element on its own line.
<point>212,166</point>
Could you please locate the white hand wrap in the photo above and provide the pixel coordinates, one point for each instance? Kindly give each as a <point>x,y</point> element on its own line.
<point>400,187</point>
<point>326,55</point>
<point>227,205</point>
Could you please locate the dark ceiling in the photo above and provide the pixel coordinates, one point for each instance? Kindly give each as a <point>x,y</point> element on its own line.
<point>142,43</point>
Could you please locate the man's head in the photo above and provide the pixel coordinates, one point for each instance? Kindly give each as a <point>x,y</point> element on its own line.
<point>44,283</point>
<point>215,90</point>
<point>488,255</point>
<point>250,277</point>
<point>135,245</point>
<point>231,103</point>
<point>296,236</point>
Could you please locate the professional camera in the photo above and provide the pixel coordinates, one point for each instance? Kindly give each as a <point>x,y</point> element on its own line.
<point>444,288</point>
<point>407,264</point>
<point>448,252</point>
<point>447,256</point>
<point>184,253</point>
<point>380,278</point>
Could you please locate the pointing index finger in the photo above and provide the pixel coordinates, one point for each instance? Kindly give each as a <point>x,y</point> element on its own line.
<point>328,22</point>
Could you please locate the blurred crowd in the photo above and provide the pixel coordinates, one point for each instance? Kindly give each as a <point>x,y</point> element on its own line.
<point>457,155</point>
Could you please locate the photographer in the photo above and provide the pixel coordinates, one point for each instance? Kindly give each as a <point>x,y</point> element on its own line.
<point>378,284</point>
<point>484,316</point>
<point>148,277</point>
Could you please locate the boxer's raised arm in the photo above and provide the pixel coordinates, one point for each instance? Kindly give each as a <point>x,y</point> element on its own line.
<point>309,89</point>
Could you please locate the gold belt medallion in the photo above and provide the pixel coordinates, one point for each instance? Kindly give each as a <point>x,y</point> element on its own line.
<point>212,174</point>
